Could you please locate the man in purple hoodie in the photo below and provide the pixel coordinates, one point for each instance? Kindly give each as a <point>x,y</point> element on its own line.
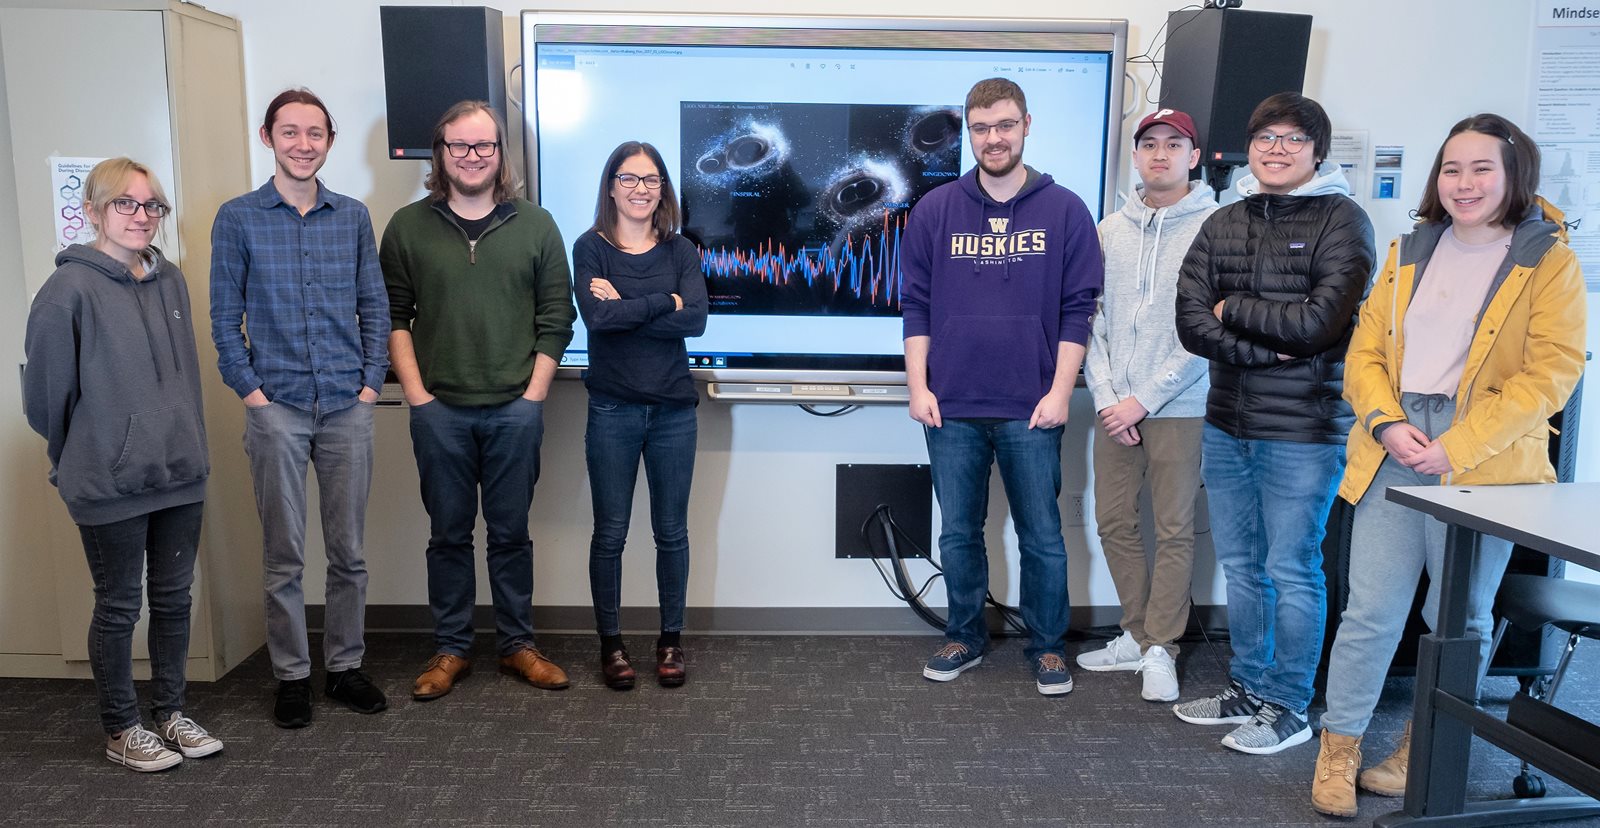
<point>1001,270</point>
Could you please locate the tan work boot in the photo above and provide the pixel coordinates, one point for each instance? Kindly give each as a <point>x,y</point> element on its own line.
<point>1388,778</point>
<point>1333,789</point>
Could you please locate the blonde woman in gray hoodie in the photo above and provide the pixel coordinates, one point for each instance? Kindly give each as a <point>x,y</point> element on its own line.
<point>112,384</point>
<point>1151,396</point>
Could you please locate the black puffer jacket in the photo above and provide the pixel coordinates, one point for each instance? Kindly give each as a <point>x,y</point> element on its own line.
<point>1292,270</point>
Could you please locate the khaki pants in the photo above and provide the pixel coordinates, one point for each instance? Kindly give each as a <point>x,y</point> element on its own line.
<point>1155,598</point>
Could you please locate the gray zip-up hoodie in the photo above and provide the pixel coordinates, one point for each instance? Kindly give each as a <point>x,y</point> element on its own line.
<point>113,385</point>
<point>1134,349</point>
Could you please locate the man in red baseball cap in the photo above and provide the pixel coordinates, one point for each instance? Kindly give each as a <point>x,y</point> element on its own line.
<point>1151,396</point>
<point>1179,121</point>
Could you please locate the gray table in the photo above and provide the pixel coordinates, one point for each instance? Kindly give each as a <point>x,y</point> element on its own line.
<point>1561,520</point>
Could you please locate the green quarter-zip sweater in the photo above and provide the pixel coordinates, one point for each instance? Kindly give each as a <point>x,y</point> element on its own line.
<point>478,311</point>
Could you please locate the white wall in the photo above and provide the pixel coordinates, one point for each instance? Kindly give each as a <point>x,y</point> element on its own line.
<point>762,516</point>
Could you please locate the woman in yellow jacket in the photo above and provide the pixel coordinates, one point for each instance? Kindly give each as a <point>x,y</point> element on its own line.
<point>1471,338</point>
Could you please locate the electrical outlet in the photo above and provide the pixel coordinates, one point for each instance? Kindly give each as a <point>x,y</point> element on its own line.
<point>1072,514</point>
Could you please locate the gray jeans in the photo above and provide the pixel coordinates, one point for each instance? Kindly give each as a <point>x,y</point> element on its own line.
<point>280,440</point>
<point>1390,546</point>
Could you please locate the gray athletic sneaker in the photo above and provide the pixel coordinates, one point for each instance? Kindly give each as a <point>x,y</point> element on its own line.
<point>1234,705</point>
<point>182,734</point>
<point>1273,728</point>
<point>140,750</point>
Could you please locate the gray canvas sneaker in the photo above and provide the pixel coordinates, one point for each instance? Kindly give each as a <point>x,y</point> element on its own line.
<point>140,750</point>
<point>182,734</point>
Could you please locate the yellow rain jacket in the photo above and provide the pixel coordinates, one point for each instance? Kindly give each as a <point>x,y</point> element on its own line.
<point>1525,359</point>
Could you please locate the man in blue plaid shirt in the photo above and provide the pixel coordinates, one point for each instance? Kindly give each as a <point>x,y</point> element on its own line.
<point>300,318</point>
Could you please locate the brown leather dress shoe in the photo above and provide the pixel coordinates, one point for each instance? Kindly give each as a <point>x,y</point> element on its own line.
<point>616,670</point>
<point>669,666</point>
<point>440,676</point>
<point>531,665</point>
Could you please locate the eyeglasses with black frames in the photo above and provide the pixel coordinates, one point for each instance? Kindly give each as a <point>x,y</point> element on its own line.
<point>127,206</point>
<point>629,180</point>
<point>484,149</point>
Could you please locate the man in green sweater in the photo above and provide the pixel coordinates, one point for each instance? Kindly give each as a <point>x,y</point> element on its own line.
<point>480,297</point>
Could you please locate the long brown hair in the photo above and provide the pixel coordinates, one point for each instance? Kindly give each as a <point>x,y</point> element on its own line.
<point>1519,158</point>
<point>664,221</point>
<point>506,182</point>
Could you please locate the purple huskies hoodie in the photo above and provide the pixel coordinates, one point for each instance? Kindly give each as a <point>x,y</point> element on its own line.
<point>997,287</point>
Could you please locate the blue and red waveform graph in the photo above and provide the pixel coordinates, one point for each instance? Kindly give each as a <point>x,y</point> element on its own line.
<point>855,275</point>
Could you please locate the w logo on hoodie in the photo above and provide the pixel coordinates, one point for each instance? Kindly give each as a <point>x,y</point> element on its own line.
<point>998,225</point>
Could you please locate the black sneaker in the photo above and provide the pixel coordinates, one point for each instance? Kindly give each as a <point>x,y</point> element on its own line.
<point>293,708</point>
<point>1273,728</point>
<point>356,691</point>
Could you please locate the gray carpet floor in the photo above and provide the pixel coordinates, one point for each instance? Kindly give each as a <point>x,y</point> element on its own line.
<point>769,731</point>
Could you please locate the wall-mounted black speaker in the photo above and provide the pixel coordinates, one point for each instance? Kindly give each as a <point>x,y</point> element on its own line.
<point>1220,63</point>
<point>433,58</point>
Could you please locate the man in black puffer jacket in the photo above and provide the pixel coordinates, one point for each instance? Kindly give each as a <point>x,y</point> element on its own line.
<point>1268,293</point>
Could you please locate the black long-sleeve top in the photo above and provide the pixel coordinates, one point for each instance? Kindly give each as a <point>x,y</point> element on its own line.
<point>636,343</point>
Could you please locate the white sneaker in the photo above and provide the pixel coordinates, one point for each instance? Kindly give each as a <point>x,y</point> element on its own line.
<point>1121,653</point>
<point>1160,675</point>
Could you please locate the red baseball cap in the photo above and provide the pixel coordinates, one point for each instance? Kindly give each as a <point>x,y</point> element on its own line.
<point>1179,121</point>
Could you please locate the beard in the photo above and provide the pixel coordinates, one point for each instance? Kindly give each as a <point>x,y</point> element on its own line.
<point>462,188</point>
<point>1002,168</point>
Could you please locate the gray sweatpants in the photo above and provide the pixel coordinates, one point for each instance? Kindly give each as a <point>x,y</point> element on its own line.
<point>1390,546</point>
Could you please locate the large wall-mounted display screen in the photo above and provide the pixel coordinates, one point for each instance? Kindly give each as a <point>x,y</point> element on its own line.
<point>798,147</point>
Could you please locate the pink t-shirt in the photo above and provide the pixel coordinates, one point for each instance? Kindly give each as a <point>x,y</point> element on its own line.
<point>1444,312</point>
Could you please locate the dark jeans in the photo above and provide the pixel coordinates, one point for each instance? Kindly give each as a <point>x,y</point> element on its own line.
<point>163,543</point>
<point>618,434</point>
<point>960,454</point>
<point>462,451</point>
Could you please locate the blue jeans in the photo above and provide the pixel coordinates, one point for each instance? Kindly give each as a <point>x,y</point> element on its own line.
<point>463,451</point>
<point>618,434</point>
<point>1269,502</point>
<point>282,442</point>
<point>960,454</point>
<point>163,543</point>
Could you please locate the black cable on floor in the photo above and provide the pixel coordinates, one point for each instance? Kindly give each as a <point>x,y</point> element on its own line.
<point>1012,619</point>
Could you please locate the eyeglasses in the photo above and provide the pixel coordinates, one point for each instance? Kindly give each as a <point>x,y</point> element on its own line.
<point>127,207</point>
<point>1292,143</point>
<point>982,130</point>
<point>629,180</point>
<point>484,149</point>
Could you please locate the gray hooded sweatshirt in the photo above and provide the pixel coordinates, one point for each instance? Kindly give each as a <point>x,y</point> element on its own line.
<point>1329,179</point>
<point>113,385</point>
<point>1134,349</point>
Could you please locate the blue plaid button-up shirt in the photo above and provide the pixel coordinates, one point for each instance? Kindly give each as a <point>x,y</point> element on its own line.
<point>298,306</point>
